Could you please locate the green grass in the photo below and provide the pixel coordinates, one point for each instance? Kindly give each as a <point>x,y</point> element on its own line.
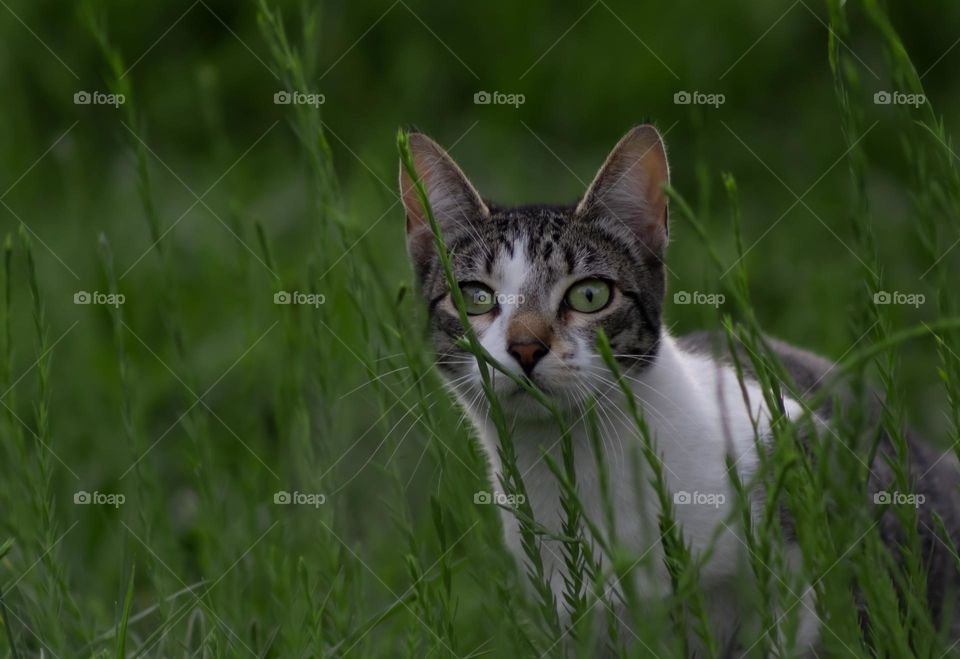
<point>200,400</point>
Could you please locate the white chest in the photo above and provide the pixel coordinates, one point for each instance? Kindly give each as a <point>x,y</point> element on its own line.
<point>697,416</point>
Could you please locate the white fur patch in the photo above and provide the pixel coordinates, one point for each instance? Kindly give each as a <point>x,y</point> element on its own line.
<point>695,410</point>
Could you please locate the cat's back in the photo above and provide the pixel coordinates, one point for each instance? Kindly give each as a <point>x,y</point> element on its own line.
<point>934,473</point>
<point>809,371</point>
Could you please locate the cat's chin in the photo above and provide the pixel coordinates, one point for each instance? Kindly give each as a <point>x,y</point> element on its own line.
<point>517,402</point>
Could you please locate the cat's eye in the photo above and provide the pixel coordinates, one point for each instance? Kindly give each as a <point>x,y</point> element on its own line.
<point>478,299</point>
<point>588,295</point>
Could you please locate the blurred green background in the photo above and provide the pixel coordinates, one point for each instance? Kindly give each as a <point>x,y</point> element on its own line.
<point>201,80</point>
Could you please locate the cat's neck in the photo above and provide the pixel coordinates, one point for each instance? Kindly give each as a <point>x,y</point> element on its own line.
<point>693,406</point>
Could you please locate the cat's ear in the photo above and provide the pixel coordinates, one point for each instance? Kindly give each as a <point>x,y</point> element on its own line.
<point>454,201</point>
<point>628,189</point>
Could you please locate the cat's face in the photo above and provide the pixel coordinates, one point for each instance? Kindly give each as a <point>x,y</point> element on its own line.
<point>539,281</point>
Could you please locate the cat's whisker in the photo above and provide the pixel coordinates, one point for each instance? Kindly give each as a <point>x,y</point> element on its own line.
<point>372,380</point>
<point>412,425</point>
<point>426,445</point>
<point>385,357</point>
<point>601,420</point>
<point>457,382</point>
<point>611,422</point>
<point>604,416</point>
<point>606,372</point>
<point>647,405</point>
<point>604,434</point>
<point>461,389</point>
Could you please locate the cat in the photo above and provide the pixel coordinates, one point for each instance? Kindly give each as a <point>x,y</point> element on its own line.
<point>537,282</point>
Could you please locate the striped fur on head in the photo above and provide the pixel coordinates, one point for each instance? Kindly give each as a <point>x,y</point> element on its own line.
<point>531,255</point>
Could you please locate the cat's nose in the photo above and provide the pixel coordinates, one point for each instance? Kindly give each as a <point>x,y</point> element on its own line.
<point>528,353</point>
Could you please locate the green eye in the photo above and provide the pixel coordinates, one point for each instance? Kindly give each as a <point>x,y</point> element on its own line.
<point>477,298</point>
<point>588,295</point>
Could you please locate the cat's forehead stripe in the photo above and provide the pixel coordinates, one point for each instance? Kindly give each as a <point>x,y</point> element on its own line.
<point>541,232</point>
<point>524,274</point>
<point>515,264</point>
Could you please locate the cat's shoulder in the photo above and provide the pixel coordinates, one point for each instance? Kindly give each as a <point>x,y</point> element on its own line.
<point>809,370</point>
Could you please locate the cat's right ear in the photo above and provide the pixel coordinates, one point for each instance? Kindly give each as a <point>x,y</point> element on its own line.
<point>454,201</point>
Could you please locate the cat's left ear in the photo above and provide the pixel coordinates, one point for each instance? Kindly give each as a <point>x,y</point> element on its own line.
<point>628,189</point>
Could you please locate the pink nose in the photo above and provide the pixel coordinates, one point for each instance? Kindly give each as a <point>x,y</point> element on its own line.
<point>528,354</point>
